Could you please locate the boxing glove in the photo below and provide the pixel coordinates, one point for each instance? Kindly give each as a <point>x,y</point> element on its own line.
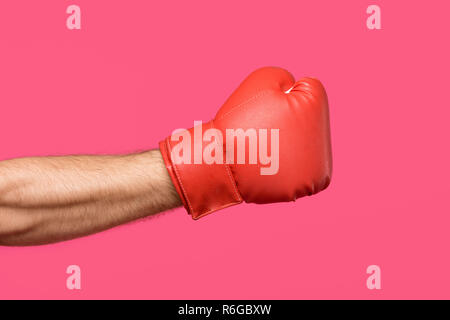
<point>270,142</point>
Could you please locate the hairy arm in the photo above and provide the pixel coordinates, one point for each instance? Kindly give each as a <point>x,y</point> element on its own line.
<point>50,199</point>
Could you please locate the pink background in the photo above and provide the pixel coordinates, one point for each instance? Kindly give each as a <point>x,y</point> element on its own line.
<point>139,69</point>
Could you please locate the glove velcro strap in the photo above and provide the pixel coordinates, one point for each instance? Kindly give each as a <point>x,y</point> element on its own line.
<point>203,188</point>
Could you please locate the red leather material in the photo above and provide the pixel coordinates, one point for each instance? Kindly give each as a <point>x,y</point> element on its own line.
<point>268,99</point>
<point>202,188</point>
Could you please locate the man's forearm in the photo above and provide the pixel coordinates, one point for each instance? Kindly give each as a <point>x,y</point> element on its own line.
<point>50,199</point>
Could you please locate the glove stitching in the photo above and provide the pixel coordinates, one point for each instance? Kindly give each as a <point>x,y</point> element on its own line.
<point>260,94</point>
<point>179,179</point>
<point>227,168</point>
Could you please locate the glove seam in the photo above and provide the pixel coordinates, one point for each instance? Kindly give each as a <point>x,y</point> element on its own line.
<point>180,182</point>
<point>164,147</point>
<point>228,169</point>
<point>258,95</point>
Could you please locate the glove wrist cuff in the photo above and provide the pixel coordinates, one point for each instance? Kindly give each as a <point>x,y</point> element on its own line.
<point>203,188</point>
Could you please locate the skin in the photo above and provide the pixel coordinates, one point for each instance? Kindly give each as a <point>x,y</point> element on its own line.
<point>51,199</point>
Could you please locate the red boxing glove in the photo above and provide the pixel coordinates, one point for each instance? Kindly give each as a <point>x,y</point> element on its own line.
<point>270,142</point>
